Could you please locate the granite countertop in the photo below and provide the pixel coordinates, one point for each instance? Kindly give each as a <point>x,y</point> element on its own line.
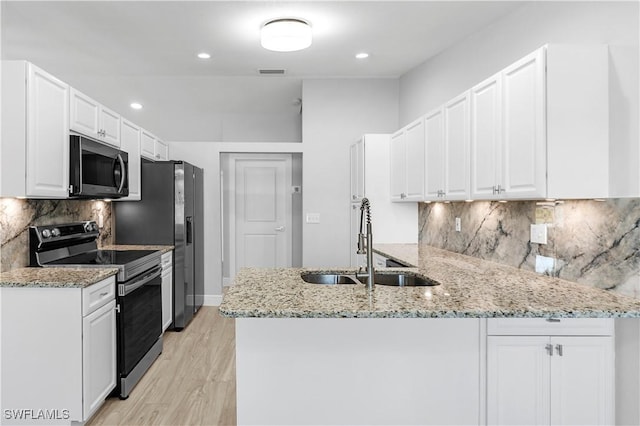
<point>469,288</point>
<point>163,249</point>
<point>55,277</point>
<point>403,253</point>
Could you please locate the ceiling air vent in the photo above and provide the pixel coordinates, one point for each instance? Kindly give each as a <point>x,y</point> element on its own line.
<point>271,71</point>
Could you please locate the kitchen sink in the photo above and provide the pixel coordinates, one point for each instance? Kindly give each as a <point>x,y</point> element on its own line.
<point>390,279</point>
<point>399,280</point>
<point>328,278</point>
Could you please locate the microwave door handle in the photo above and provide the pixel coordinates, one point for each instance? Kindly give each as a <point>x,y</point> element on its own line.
<point>189,230</point>
<point>123,173</point>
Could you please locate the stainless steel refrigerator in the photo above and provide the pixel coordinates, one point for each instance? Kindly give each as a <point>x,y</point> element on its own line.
<point>170,212</point>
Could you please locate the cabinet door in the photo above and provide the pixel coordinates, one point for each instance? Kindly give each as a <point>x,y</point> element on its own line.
<point>167,297</point>
<point>148,145</point>
<point>85,114</point>
<point>434,155</point>
<point>582,375</point>
<point>110,127</point>
<point>414,160</point>
<point>518,380</point>
<point>130,143</point>
<point>98,357</point>
<point>456,119</point>
<point>524,140</point>
<point>47,135</point>
<point>161,151</point>
<point>486,144</point>
<point>356,155</point>
<point>397,165</point>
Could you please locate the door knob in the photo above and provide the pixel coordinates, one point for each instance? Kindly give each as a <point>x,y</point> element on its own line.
<point>280,229</point>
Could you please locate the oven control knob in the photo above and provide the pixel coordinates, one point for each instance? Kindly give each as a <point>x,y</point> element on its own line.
<point>90,227</point>
<point>55,232</point>
<point>46,233</point>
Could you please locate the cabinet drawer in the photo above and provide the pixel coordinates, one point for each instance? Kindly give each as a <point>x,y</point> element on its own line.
<point>550,326</point>
<point>97,295</point>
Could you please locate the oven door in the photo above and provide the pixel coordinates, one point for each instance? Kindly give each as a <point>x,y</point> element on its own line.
<point>97,170</point>
<point>139,320</point>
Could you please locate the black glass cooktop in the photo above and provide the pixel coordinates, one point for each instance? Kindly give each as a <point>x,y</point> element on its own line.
<point>103,257</point>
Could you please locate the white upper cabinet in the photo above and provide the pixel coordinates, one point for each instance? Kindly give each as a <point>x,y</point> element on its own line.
<point>35,132</point>
<point>407,162</point>
<point>130,143</point>
<point>153,148</point>
<point>398,176</point>
<point>447,151</point>
<point>356,157</point>
<point>434,155</point>
<point>90,118</point>
<point>539,128</point>
<point>523,128</point>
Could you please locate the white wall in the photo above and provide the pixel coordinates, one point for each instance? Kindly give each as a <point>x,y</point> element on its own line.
<point>336,113</point>
<point>491,49</point>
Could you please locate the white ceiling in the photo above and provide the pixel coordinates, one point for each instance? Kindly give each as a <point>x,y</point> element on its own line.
<point>134,39</point>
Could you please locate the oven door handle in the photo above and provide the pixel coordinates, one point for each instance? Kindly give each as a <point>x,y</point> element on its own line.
<point>124,289</point>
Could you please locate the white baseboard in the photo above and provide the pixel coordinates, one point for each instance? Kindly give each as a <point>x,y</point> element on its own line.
<point>212,299</point>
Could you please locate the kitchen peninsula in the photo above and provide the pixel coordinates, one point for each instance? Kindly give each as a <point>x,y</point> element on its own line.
<point>311,353</point>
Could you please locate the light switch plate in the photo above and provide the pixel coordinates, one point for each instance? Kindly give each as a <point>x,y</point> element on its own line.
<point>313,217</point>
<point>539,233</point>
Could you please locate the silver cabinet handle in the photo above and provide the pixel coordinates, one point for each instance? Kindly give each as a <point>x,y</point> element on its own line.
<point>559,349</point>
<point>553,319</point>
<point>549,348</point>
<point>280,229</point>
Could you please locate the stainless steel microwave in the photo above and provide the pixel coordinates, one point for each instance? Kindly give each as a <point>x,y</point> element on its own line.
<point>97,170</point>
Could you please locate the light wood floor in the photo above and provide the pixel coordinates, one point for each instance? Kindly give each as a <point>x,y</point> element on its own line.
<point>191,383</point>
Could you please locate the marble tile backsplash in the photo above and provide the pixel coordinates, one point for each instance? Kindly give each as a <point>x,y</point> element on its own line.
<point>16,215</point>
<point>591,242</point>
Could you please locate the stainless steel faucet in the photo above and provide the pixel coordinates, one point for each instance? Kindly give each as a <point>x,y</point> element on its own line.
<point>368,248</point>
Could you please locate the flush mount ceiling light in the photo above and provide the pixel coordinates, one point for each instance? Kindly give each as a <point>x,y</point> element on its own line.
<point>362,55</point>
<point>204,55</point>
<point>286,35</point>
<point>136,105</point>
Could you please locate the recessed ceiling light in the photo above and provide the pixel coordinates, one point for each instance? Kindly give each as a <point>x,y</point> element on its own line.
<point>204,55</point>
<point>286,35</point>
<point>136,105</point>
<point>362,55</point>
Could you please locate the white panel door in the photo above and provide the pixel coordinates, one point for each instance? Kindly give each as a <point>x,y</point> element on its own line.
<point>263,212</point>
<point>147,145</point>
<point>518,380</point>
<point>434,155</point>
<point>582,375</point>
<point>524,139</point>
<point>456,159</point>
<point>486,144</point>
<point>47,135</point>
<point>85,114</point>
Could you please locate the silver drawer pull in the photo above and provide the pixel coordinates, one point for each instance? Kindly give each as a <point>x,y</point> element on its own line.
<point>104,294</point>
<point>559,349</point>
<point>553,319</point>
<point>549,348</point>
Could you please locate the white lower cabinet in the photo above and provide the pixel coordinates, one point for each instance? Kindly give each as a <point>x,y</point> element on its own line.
<point>167,290</point>
<point>550,379</point>
<point>59,355</point>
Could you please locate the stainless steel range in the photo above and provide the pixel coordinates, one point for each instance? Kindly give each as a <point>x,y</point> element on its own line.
<point>138,300</point>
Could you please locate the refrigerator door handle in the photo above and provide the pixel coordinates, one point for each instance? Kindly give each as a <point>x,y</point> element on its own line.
<point>189,230</point>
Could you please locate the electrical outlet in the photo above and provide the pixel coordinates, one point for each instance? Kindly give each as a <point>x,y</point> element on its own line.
<point>313,217</point>
<point>539,233</point>
<point>545,265</point>
<point>458,224</point>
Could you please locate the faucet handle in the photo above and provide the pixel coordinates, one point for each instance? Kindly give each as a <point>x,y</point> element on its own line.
<point>361,245</point>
